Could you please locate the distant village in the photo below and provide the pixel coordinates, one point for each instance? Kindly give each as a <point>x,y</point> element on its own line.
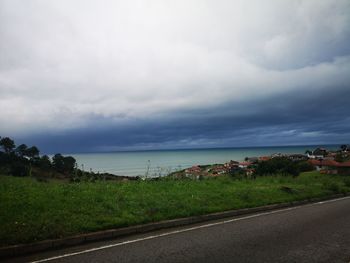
<point>320,159</point>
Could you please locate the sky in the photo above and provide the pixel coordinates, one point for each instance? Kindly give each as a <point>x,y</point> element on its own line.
<point>105,75</point>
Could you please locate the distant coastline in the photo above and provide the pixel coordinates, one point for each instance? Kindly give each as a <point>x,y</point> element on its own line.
<point>135,163</point>
<point>330,146</point>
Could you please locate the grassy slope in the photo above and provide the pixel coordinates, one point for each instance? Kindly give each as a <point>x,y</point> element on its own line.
<point>32,211</point>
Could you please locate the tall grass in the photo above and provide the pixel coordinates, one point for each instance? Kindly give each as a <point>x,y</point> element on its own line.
<point>32,211</point>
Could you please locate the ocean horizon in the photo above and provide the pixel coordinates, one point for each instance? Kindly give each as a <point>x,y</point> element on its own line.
<point>162,162</point>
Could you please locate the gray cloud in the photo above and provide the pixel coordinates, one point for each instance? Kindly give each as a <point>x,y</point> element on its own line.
<point>111,68</point>
<point>309,119</point>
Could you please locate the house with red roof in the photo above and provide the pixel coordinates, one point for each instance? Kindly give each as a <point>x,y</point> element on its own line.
<point>194,170</point>
<point>244,164</point>
<point>231,166</point>
<point>219,169</point>
<point>264,158</point>
<point>344,168</point>
<point>330,166</point>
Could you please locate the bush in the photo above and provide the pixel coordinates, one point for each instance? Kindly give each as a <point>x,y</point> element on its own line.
<point>278,165</point>
<point>304,166</point>
<point>19,169</point>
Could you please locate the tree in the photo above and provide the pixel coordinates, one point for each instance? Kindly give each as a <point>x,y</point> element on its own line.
<point>57,162</point>
<point>344,147</point>
<point>304,166</point>
<point>44,162</point>
<point>308,152</point>
<point>7,144</point>
<point>292,169</point>
<point>63,164</point>
<point>320,151</point>
<point>21,150</point>
<point>32,152</point>
<point>69,164</point>
<point>340,157</point>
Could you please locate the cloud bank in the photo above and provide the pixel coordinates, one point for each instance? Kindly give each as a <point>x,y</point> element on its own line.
<point>111,75</point>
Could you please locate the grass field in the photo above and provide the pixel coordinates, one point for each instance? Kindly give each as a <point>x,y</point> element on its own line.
<point>33,211</point>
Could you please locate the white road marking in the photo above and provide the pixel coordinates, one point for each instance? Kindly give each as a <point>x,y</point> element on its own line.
<point>185,230</point>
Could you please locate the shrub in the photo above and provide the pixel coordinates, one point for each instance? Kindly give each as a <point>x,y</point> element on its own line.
<point>278,165</point>
<point>19,169</point>
<point>304,166</point>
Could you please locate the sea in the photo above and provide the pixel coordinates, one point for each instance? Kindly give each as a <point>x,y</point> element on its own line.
<point>156,163</point>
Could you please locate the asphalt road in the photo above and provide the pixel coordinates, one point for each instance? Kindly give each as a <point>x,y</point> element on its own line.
<point>312,233</point>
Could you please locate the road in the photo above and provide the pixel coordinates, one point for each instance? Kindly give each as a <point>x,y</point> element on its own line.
<point>317,232</point>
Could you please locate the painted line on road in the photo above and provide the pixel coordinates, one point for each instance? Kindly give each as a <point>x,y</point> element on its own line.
<point>184,230</point>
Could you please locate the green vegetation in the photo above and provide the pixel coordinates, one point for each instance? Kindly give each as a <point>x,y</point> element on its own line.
<point>33,210</point>
<point>51,198</point>
<point>26,161</point>
<point>20,161</point>
<point>283,166</point>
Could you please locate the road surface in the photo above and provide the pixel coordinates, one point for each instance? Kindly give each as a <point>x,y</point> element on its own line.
<point>318,232</point>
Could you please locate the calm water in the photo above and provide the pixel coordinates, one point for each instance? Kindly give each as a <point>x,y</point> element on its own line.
<point>164,161</point>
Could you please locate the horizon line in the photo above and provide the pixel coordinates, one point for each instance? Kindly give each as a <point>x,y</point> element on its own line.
<point>204,148</point>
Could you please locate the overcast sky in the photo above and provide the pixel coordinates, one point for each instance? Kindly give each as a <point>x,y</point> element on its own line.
<point>117,75</point>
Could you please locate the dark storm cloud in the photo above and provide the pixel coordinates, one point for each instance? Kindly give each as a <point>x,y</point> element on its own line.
<point>111,75</point>
<point>286,119</point>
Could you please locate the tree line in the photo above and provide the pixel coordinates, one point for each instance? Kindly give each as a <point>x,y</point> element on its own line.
<point>20,160</point>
